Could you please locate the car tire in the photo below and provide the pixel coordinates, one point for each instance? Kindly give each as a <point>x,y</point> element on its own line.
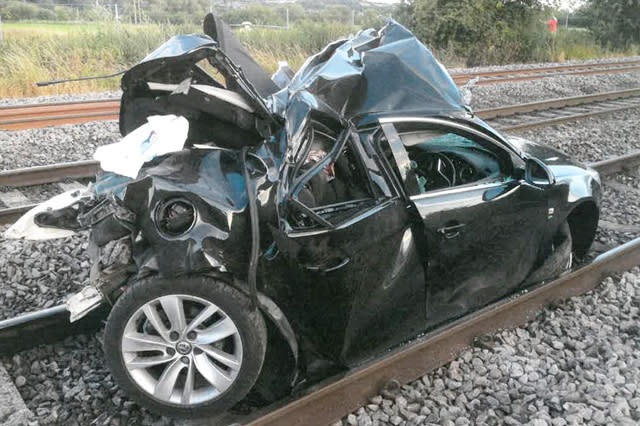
<point>196,364</point>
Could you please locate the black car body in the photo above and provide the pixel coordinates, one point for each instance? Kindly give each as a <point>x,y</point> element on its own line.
<point>382,207</point>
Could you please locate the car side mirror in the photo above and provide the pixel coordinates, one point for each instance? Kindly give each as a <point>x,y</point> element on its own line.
<point>538,174</point>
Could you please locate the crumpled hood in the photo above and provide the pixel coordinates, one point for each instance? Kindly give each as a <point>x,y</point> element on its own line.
<point>548,155</point>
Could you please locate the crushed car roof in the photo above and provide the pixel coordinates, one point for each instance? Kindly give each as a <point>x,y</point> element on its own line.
<point>375,72</point>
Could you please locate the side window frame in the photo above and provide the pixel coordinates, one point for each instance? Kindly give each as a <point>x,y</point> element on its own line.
<point>402,160</point>
<point>297,183</point>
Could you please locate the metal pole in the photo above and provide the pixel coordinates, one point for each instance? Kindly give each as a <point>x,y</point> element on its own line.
<point>135,13</point>
<point>287,18</point>
<point>115,8</point>
<point>210,6</point>
<point>566,24</point>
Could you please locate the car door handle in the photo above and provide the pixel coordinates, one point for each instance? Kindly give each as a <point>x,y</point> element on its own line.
<point>451,231</point>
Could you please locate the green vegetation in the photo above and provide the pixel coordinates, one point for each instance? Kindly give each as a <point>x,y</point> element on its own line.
<point>28,56</point>
<point>502,32</point>
<point>580,43</point>
<point>614,23</point>
<point>461,32</point>
<point>39,52</point>
<point>483,32</point>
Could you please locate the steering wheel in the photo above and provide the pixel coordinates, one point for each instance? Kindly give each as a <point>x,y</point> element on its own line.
<point>438,169</point>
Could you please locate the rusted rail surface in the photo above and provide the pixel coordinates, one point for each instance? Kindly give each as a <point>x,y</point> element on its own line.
<point>38,175</point>
<point>506,111</point>
<point>56,114</point>
<point>525,74</point>
<point>89,168</point>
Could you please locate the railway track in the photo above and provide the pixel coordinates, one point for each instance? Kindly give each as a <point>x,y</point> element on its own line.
<point>55,114</point>
<point>526,74</point>
<point>508,119</point>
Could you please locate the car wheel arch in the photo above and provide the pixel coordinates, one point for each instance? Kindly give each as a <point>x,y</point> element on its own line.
<point>277,323</point>
<point>583,223</point>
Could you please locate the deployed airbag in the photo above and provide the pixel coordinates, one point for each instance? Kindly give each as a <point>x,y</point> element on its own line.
<point>161,135</point>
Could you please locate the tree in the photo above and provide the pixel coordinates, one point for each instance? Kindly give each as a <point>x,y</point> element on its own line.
<point>614,22</point>
<point>482,31</point>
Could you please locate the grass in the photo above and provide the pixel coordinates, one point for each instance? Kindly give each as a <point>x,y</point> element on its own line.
<point>51,52</point>
<point>579,44</point>
<point>34,51</point>
<point>46,27</point>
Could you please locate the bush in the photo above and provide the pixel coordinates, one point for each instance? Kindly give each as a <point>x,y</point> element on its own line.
<point>483,31</point>
<point>15,10</point>
<point>615,23</point>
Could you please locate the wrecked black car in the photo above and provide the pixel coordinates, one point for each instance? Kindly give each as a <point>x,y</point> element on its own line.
<point>293,232</point>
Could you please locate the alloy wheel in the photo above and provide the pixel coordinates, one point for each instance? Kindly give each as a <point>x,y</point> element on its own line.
<point>182,349</point>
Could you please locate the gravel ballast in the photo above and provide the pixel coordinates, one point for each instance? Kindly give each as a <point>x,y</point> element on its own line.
<point>577,363</point>
<point>40,274</point>
<point>68,383</point>
<point>38,147</point>
<point>563,86</point>
<point>594,139</point>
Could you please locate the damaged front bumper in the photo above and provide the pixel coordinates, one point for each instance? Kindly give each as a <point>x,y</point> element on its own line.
<point>112,265</point>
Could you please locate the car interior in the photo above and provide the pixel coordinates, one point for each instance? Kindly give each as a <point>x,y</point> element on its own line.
<point>334,190</point>
<point>445,160</point>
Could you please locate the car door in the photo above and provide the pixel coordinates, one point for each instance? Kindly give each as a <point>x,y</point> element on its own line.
<point>481,235</point>
<point>348,265</point>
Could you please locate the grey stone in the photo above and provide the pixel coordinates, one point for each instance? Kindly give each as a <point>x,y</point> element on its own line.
<point>13,410</point>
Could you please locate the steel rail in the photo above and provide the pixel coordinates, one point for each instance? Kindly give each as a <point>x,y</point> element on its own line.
<point>88,168</point>
<point>506,111</point>
<point>524,74</point>
<point>562,119</point>
<point>83,169</point>
<point>38,175</point>
<point>55,114</point>
<point>12,214</point>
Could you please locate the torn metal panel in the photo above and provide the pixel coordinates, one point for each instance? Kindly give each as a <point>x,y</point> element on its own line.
<point>210,185</point>
<point>26,226</point>
<point>352,77</point>
<point>218,30</point>
<point>212,112</point>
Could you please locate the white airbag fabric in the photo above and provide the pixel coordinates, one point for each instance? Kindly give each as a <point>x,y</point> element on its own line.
<point>161,135</point>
